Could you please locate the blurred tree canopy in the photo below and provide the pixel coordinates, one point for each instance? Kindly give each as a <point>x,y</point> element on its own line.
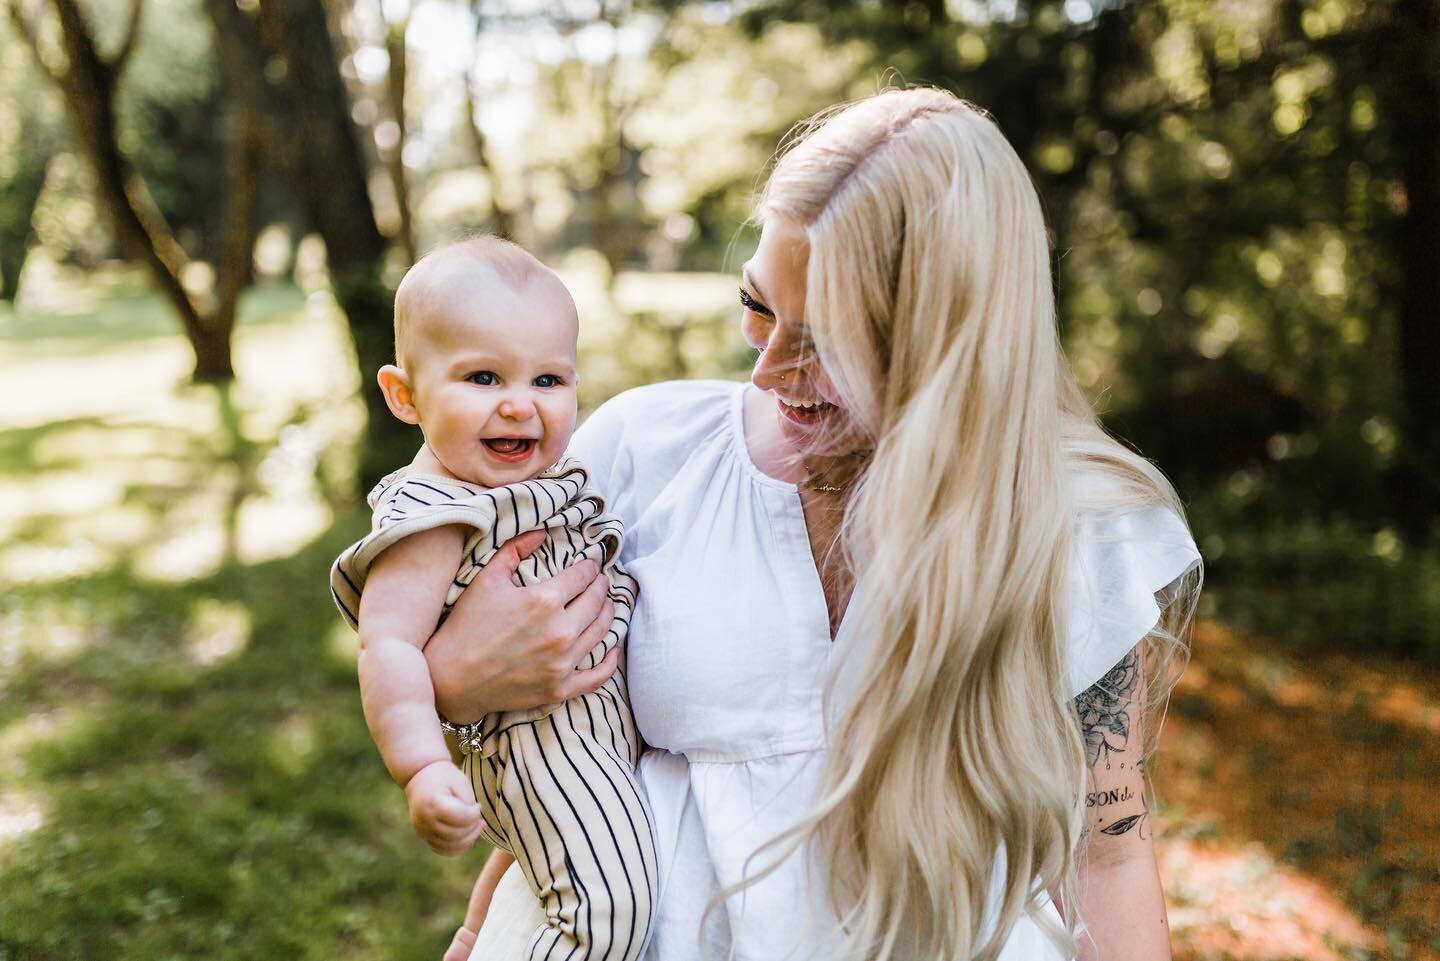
<point>1245,201</point>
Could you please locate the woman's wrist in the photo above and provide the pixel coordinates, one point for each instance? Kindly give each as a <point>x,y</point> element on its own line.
<point>457,704</point>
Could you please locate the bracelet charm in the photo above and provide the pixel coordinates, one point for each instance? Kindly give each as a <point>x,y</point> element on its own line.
<point>468,736</point>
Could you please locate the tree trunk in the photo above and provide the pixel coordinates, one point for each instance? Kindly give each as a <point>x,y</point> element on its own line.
<point>504,217</point>
<point>395,156</point>
<point>327,175</point>
<point>88,83</point>
<point>1411,98</point>
<point>12,262</point>
<point>18,197</point>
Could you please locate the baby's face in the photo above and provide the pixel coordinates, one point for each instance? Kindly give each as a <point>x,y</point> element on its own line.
<point>493,376</point>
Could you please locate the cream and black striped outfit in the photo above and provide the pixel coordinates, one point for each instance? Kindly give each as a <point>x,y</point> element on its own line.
<point>556,784</point>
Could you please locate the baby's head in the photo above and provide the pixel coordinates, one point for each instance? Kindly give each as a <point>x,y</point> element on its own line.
<point>485,360</point>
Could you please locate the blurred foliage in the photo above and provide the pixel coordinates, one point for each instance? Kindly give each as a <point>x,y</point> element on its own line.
<point>1225,184</point>
<point>183,765</point>
<point>169,109</point>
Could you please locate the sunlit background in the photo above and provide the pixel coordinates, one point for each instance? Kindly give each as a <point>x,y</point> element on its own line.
<point>204,207</point>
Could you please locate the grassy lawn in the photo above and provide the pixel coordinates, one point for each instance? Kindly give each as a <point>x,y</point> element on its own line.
<point>184,771</point>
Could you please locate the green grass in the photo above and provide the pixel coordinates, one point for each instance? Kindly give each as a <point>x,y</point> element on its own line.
<point>184,770</point>
<point>118,307</point>
<point>233,809</point>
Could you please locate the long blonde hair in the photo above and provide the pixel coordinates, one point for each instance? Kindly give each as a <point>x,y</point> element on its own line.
<point>928,295</point>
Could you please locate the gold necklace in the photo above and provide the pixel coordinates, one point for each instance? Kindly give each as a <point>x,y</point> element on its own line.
<point>809,485</point>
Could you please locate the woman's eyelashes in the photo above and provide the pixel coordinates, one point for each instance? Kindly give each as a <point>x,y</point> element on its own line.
<point>750,303</point>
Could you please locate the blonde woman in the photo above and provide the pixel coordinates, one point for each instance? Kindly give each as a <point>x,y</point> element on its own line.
<point>900,594</point>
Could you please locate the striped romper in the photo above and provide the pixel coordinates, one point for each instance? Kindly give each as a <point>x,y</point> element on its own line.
<point>556,784</point>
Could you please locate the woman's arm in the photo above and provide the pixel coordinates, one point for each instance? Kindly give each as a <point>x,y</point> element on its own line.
<point>1121,902</point>
<point>505,647</point>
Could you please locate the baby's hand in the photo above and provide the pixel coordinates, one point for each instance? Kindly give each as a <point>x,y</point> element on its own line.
<point>443,809</point>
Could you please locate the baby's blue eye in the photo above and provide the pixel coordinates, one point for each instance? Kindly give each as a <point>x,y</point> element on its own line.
<point>484,378</point>
<point>547,380</point>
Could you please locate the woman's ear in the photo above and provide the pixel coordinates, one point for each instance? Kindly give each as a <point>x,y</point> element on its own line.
<point>399,396</point>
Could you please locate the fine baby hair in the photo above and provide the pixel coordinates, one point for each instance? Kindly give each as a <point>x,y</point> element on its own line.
<point>423,284</point>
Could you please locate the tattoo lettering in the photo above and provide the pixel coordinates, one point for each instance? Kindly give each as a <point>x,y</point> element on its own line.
<point>1102,798</point>
<point>1104,710</point>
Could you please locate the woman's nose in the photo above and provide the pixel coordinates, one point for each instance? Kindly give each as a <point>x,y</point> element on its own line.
<point>776,363</point>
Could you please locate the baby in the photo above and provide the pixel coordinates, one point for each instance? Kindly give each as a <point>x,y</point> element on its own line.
<point>485,365</point>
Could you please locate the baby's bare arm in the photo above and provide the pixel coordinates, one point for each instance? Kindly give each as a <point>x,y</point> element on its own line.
<point>404,594</point>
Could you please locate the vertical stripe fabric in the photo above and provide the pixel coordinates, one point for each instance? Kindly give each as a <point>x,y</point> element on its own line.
<point>556,784</point>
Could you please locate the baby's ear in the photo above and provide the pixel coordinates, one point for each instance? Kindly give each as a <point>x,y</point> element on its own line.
<point>399,397</point>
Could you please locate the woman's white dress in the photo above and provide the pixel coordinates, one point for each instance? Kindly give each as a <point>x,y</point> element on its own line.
<point>728,655</point>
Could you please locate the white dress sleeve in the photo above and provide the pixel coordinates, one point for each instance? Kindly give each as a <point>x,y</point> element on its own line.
<point>1123,567</point>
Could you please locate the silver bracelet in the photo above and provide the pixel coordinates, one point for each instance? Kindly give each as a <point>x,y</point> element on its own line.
<point>469,736</point>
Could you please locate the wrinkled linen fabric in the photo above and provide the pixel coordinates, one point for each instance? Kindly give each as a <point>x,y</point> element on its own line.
<point>728,655</point>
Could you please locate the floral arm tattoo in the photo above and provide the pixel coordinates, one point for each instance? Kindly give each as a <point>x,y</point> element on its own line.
<point>1105,712</point>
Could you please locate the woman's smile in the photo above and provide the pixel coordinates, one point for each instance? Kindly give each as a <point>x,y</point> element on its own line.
<point>804,414</point>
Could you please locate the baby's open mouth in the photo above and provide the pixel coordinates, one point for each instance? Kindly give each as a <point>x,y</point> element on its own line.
<point>509,447</point>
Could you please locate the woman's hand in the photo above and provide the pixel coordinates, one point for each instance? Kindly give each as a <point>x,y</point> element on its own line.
<point>511,648</point>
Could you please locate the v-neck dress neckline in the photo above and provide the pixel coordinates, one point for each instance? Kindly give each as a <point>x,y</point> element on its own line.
<point>741,449</point>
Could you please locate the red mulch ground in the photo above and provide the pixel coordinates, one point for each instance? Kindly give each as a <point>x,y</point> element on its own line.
<point>1300,805</point>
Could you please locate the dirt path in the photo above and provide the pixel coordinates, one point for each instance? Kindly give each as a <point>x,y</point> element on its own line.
<point>1301,805</point>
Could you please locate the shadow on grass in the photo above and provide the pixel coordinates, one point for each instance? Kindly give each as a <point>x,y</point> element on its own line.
<point>223,807</point>
<point>137,315</point>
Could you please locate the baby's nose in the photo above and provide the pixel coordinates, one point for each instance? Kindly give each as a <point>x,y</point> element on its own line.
<point>517,408</point>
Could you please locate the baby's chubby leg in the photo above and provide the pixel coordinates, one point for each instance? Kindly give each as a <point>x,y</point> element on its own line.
<point>463,944</point>
<point>565,796</point>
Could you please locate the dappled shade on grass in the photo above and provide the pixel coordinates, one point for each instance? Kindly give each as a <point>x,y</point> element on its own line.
<point>184,769</point>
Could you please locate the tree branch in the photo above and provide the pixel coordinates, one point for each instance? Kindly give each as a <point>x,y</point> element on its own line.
<point>243,60</point>
<point>27,34</point>
<point>117,63</point>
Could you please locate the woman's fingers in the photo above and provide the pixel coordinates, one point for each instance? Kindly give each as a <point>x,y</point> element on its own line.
<point>584,682</point>
<point>589,605</point>
<point>570,585</point>
<point>511,553</point>
<point>506,647</point>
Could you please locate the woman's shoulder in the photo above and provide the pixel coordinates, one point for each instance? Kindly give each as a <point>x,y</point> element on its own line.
<point>670,403</point>
<point>644,436</point>
<point>656,418</point>
<point>1127,563</point>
